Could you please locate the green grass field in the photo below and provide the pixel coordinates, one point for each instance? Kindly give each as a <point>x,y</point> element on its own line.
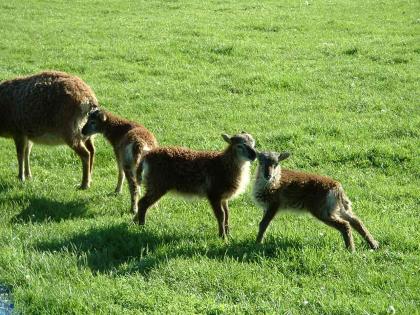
<point>334,82</point>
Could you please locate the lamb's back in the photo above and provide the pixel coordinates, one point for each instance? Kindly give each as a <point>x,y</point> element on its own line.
<point>182,169</point>
<point>300,189</point>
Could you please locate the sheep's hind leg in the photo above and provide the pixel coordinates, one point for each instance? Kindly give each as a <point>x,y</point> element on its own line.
<point>84,155</point>
<point>134,190</point>
<point>21,143</point>
<point>121,177</point>
<point>28,173</point>
<point>358,225</point>
<point>344,228</point>
<point>144,204</point>
<point>91,148</point>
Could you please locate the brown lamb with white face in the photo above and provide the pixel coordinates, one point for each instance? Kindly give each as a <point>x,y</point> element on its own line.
<point>278,189</point>
<point>130,141</point>
<point>48,108</point>
<point>217,176</point>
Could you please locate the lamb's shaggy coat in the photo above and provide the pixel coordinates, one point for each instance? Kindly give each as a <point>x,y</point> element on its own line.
<point>130,142</point>
<point>279,189</point>
<point>217,176</point>
<point>49,108</point>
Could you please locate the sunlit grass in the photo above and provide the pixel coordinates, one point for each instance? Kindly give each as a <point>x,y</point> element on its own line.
<point>334,83</point>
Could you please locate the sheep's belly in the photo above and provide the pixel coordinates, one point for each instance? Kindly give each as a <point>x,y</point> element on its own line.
<point>48,139</point>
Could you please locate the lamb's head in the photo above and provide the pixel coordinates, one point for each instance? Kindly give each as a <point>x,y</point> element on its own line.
<point>242,145</point>
<point>96,122</point>
<point>269,164</point>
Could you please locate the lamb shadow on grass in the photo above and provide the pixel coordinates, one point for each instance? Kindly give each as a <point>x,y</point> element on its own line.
<point>126,249</point>
<point>44,209</point>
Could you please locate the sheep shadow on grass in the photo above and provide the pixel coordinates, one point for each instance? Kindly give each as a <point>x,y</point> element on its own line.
<point>127,248</point>
<point>42,209</point>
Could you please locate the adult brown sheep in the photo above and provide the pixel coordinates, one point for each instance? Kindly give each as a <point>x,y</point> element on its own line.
<point>49,108</point>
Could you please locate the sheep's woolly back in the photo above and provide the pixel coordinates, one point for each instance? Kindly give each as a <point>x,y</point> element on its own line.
<point>190,172</point>
<point>297,190</point>
<point>48,104</point>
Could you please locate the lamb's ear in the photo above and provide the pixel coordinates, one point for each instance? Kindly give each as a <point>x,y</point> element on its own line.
<point>226,138</point>
<point>282,156</point>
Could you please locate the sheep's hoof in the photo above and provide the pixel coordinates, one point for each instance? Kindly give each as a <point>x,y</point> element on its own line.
<point>374,245</point>
<point>137,220</point>
<point>21,178</point>
<point>83,187</point>
<point>117,191</point>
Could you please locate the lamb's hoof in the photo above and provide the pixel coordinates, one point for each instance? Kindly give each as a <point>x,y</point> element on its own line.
<point>28,176</point>
<point>374,245</point>
<point>117,192</point>
<point>21,178</point>
<point>136,220</point>
<point>83,187</point>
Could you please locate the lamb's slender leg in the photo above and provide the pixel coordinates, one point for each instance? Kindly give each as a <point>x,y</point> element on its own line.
<point>268,216</point>
<point>344,228</point>
<point>134,190</point>
<point>84,155</point>
<point>91,148</point>
<point>358,225</point>
<point>28,173</point>
<point>225,208</point>
<point>121,177</point>
<point>216,205</point>
<point>144,204</point>
<point>21,143</point>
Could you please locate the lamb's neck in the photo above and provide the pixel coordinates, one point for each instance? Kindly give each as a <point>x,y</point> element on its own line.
<point>116,128</point>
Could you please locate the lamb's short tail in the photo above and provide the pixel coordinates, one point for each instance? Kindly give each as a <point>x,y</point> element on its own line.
<point>343,199</point>
<point>140,150</point>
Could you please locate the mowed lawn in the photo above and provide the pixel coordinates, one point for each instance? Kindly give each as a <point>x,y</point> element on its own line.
<point>336,83</point>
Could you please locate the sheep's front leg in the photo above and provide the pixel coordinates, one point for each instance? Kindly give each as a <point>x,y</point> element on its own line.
<point>225,208</point>
<point>268,216</point>
<point>21,142</point>
<point>216,205</point>
<point>28,173</point>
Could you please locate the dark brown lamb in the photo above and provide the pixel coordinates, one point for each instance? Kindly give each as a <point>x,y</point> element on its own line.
<point>217,176</point>
<point>49,108</point>
<point>278,189</point>
<point>130,141</point>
